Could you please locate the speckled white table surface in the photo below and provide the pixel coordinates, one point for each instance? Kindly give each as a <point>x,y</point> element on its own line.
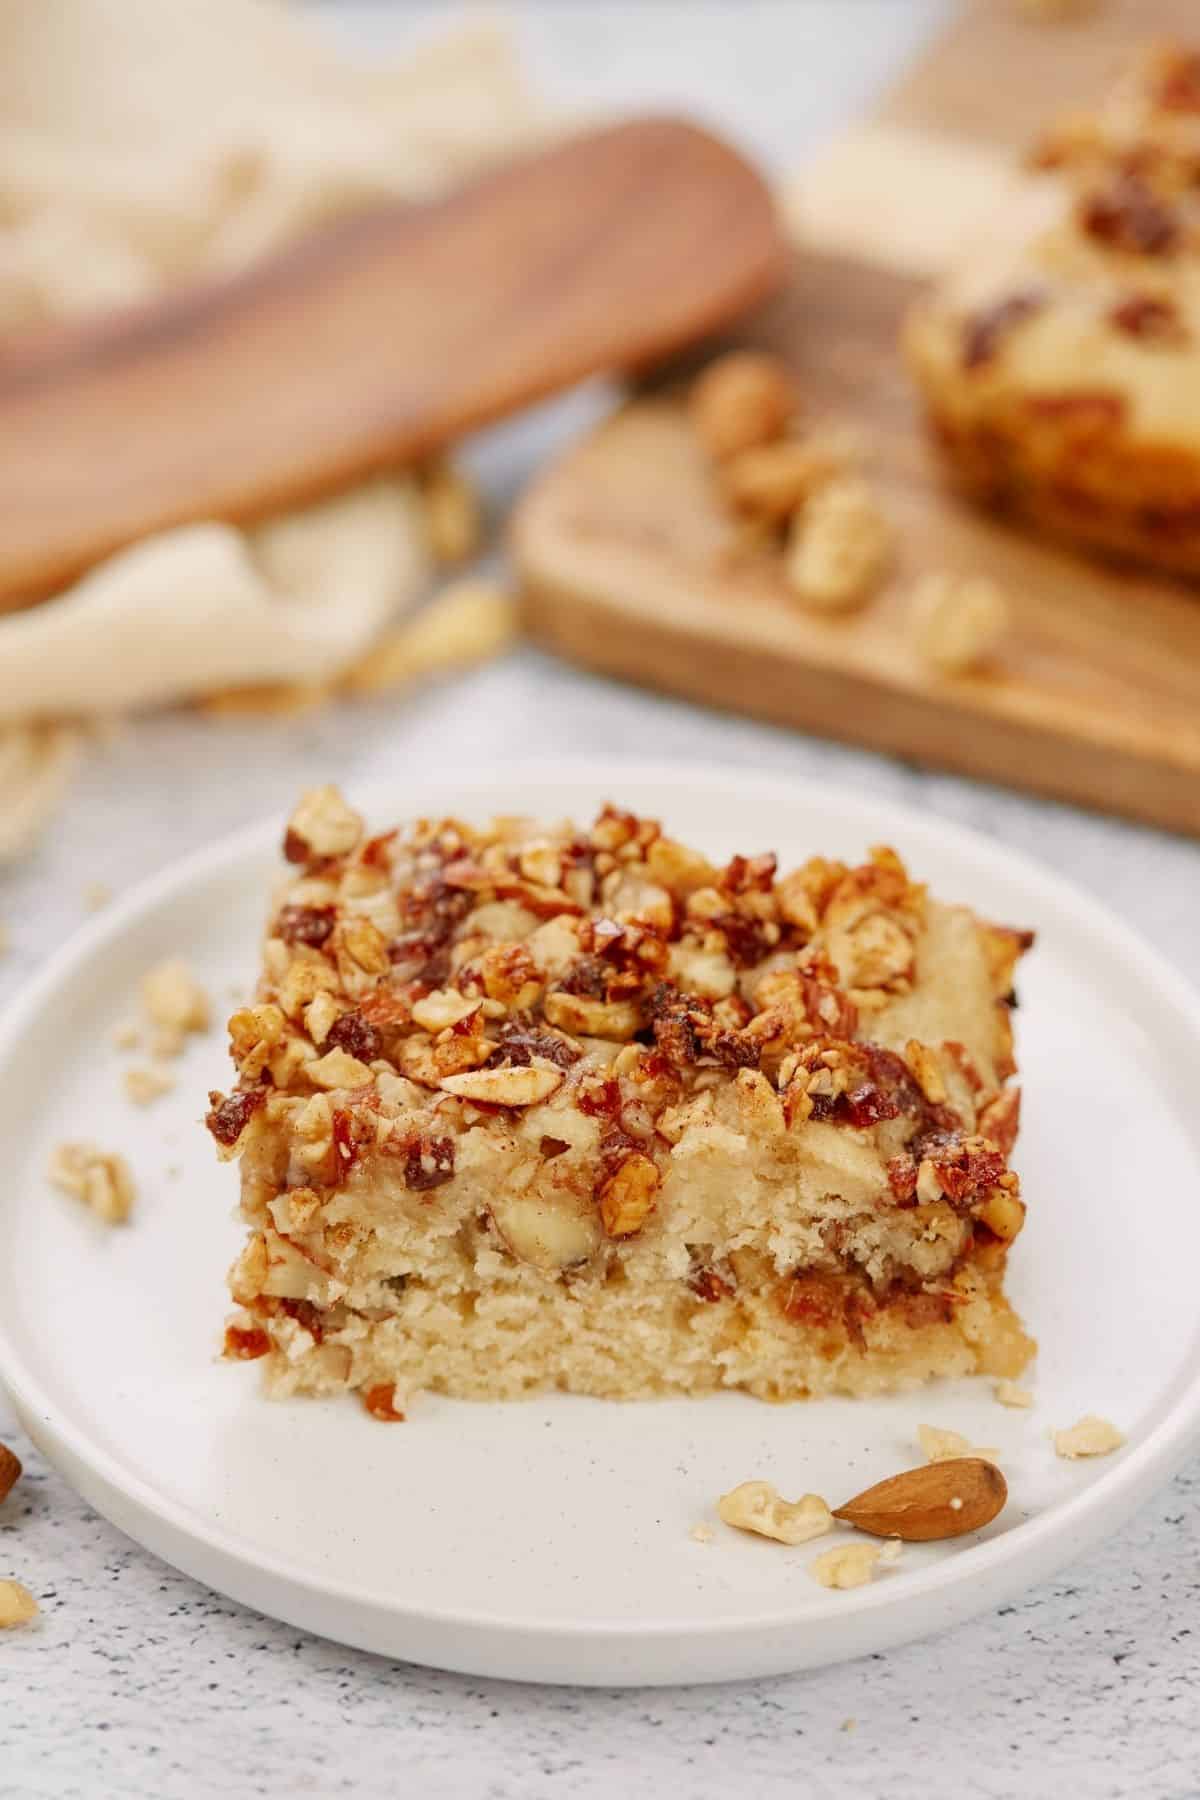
<point>138,1682</point>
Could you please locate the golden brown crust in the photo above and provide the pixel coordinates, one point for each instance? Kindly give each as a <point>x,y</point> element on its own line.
<point>509,1068</point>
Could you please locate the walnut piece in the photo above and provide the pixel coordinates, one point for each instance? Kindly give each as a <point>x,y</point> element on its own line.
<point>846,1565</point>
<point>337,1069</point>
<point>957,622</point>
<point>1009,1394</point>
<point>757,1506</point>
<point>17,1605</point>
<point>839,548</point>
<point>771,481</point>
<point>173,999</point>
<point>1089,1436</point>
<point>945,1446</point>
<point>100,1178</point>
<point>322,826</point>
<point>743,399</point>
<point>146,1085</point>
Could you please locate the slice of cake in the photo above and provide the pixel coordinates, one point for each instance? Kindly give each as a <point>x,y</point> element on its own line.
<point>531,1107</point>
<point>1060,362</point>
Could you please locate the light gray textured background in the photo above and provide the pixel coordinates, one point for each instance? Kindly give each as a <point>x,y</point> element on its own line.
<point>139,1683</point>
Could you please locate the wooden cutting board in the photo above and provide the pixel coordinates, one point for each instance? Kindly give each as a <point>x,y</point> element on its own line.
<point>630,565</point>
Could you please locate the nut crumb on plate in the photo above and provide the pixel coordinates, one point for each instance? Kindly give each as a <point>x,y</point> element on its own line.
<point>100,1178</point>
<point>146,1085</point>
<point>944,1446</point>
<point>839,547</point>
<point>1089,1436</point>
<point>127,1035</point>
<point>957,622</point>
<point>17,1605</point>
<point>757,1506</point>
<point>173,998</point>
<point>702,1533</point>
<point>1009,1394</point>
<point>847,1565</point>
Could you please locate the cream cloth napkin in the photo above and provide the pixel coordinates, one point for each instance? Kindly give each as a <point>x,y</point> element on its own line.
<point>143,142</point>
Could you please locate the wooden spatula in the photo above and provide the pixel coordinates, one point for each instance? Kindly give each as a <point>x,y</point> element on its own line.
<point>373,343</point>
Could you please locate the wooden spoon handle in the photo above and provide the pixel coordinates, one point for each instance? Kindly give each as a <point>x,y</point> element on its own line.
<point>372,343</point>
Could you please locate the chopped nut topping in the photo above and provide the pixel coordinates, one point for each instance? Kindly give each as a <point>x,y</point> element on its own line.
<point>442,1008</point>
<point>985,331</point>
<point>17,1605</point>
<point>742,400</point>
<point>174,999</point>
<point>322,827</point>
<point>1089,1436</point>
<point>846,1565</point>
<point>146,1085</point>
<point>957,622</point>
<point>757,1506</point>
<point>946,1446</point>
<point>1009,1394</point>
<point>839,548</point>
<point>337,1069</point>
<point>505,1087</point>
<point>100,1178</point>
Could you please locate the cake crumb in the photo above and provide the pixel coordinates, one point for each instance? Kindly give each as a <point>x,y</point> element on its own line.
<point>1089,1436</point>
<point>146,1084</point>
<point>943,1446</point>
<point>100,1178</point>
<point>846,1565</point>
<point>17,1605</point>
<point>1009,1394</point>
<point>702,1533</point>
<point>96,895</point>
<point>757,1506</point>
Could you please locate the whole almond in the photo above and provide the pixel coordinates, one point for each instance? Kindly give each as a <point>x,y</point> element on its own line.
<point>10,1471</point>
<point>939,1500</point>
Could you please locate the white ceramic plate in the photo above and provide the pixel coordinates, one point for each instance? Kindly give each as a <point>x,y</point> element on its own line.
<point>550,1539</point>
